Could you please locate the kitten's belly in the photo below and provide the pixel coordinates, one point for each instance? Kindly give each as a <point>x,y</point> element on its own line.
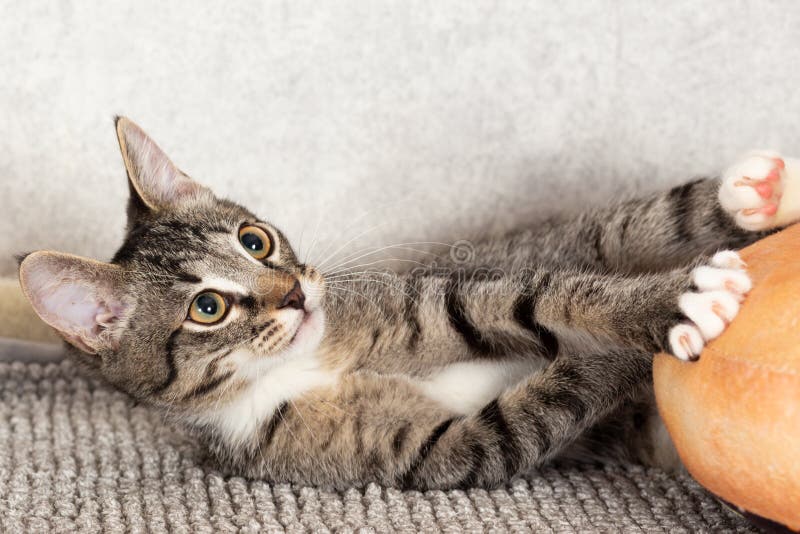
<point>466,387</point>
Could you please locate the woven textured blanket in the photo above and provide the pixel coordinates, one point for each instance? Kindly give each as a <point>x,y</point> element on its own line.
<point>76,455</point>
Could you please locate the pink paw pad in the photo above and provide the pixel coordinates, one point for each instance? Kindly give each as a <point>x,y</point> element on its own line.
<point>768,188</point>
<point>769,209</point>
<point>752,189</point>
<point>764,189</point>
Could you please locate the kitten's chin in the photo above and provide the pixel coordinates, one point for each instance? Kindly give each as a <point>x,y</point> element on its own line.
<point>309,333</point>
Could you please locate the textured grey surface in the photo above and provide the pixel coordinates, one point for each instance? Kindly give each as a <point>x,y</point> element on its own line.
<point>75,455</point>
<point>429,120</point>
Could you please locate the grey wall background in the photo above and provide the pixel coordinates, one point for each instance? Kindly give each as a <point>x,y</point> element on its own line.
<point>408,121</point>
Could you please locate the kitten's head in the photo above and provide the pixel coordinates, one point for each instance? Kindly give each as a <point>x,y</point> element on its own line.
<point>201,296</point>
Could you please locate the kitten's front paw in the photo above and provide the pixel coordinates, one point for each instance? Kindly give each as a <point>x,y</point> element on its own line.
<point>721,286</point>
<point>752,188</point>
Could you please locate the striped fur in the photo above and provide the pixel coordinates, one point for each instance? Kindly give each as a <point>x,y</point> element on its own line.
<point>455,375</point>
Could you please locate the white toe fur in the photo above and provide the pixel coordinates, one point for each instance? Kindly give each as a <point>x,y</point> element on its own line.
<point>721,287</point>
<point>735,198</point>
<point>754,222</point>
<point>686,341</point>
<point>710,311</point>
<point>715,278</point>
<point>728,259</point>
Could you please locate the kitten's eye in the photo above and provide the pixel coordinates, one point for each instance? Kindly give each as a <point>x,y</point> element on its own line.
<point>256,241</point>
<point>207,308</point>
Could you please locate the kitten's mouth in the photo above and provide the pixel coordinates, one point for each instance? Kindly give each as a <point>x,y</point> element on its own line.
<point>302,325</point>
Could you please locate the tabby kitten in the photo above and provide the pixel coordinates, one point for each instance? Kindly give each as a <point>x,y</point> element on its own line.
<point>459,374</point>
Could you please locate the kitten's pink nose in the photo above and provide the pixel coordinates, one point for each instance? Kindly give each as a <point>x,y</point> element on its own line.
<point>294,298</point>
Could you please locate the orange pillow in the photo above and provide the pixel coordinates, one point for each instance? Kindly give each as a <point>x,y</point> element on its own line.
<point>735,414</point>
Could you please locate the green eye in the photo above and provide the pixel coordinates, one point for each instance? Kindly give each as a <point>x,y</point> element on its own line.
<point>208,308</point>
<point>255,241</point>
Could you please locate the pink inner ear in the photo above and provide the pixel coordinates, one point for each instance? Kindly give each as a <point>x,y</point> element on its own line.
<point>76,296</point>
<point>72,308</point>
<point>158,178</point>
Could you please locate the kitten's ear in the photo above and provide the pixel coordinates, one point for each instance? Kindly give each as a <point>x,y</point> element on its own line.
<point>79,297</point>
<point>154,179</point>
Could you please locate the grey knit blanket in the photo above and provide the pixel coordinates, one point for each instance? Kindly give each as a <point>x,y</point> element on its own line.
<point>78,456</point>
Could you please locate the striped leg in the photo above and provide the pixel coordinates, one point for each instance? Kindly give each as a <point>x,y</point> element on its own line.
<point>526,426</point>
<point>540,310</point>
<point>651,234</point>
<point>530,313</point>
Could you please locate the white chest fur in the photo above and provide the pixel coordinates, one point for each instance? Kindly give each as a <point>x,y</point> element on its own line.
<point>271,382</point>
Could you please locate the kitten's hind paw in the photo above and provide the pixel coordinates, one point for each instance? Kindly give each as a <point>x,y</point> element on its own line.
<point>752,189</point>
<point>721,286</point>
